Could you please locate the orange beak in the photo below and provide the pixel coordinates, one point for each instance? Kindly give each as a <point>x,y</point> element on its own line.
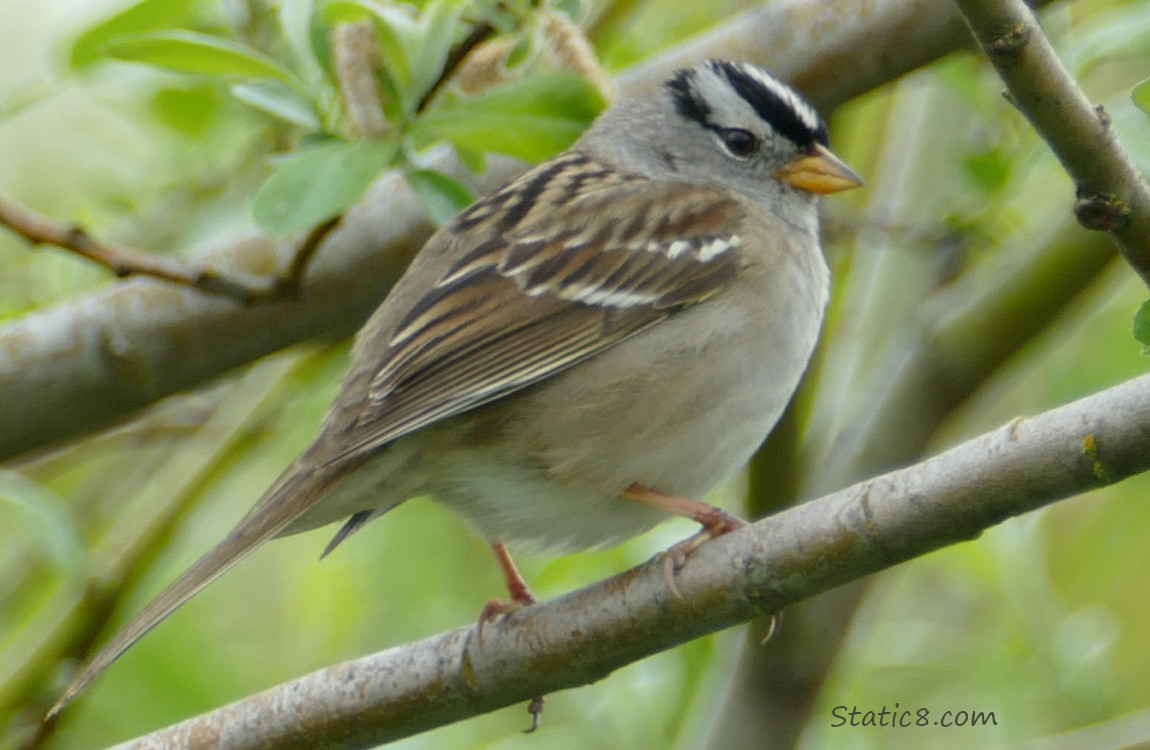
<point>822,172</point>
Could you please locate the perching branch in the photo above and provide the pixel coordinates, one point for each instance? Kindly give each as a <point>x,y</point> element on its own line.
<point>1112,195</point>
<point>586,635</point>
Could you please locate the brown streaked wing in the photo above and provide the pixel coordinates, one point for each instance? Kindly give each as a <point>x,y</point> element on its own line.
<point>532,301</point>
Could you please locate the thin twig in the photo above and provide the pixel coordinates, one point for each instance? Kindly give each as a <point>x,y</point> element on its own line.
<point>478,34</point>
<point>1112,196</point>
<point>124,261</point>
<point>289,284</point>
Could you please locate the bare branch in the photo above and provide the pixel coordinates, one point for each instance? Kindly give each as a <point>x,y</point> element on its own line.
<point>1112,196</point>
<point>584,636</point>
<point>290,283</point>
<point>124,261</point>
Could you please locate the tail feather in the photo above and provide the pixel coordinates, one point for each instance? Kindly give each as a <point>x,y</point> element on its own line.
<point>352,525</point>
<point>297,489</point>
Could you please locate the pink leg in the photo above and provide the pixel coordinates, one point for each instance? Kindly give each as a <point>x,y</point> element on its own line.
<point>521,596</point>
<point>517,587</point>
<point>715,523</point>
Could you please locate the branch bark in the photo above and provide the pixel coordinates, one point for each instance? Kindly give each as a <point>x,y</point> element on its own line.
<point>122,261</point>
<point>1112,195</point>
<point>586,635</point>
<point>83,365</point>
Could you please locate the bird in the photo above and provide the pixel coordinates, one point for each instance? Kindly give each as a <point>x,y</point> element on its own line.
<point>586,351</point>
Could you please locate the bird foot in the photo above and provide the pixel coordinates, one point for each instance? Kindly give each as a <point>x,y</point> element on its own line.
<point>715,522</point>
<point>521,596</point>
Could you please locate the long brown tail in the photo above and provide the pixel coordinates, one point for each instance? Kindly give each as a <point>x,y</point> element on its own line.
<point>296,490</point>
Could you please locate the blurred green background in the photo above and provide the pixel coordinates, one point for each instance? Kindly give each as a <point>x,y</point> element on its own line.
<point>1043,620</point>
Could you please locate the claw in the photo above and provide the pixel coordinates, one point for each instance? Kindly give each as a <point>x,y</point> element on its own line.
<point>521,596</point>
<point>671,565</point>
<point>715,523</point>
<point>773,625</point>
<point>493,610</point>
<point>535,708</point>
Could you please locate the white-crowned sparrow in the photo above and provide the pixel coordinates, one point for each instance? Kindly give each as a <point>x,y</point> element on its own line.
<point>581,352</point>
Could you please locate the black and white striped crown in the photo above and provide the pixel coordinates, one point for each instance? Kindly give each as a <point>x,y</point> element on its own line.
<point>703,92</point>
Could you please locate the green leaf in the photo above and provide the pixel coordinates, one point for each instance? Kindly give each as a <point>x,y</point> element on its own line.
<point>320,40</point>
<point>989,170</point>
<point>187,109</point>
<point>391,98</point>
<point>475,161</point>
<point>143,16</point>
<point>1141,96</point>
<point>192,52</point>
<point>40,513</point>
<point>531,119</point>
<point>442,196</point>
<point>295,19</point>
<point>1142,326</point>
<point>521,51</point>
<point>414,48</point>
<point>437,32</point>
<point>318,182</point>
<point>398,40</point>
<point>569,8</point>
<point>279,100</point>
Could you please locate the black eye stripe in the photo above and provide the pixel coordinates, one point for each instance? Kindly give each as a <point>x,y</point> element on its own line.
<point>790,116</point>
<point>770,106</point>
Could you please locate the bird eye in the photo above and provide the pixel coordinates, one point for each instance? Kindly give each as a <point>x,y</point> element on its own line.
<point>741,143</point>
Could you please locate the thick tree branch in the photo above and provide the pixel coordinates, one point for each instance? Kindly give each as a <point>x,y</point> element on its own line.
<point>83,364</point>
<point>1112,195</point>
<point>815,45</point>
<point>586,635</point>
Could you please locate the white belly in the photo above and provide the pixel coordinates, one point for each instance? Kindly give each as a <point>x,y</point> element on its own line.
<point>675,413</point>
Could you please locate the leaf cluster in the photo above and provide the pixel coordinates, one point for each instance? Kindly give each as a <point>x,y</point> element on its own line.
<point>285,74</point>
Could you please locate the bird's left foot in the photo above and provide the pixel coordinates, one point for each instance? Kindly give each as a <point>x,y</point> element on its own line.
<point>521,596</point>
<point>715,522</point>
<point>517,588</point>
